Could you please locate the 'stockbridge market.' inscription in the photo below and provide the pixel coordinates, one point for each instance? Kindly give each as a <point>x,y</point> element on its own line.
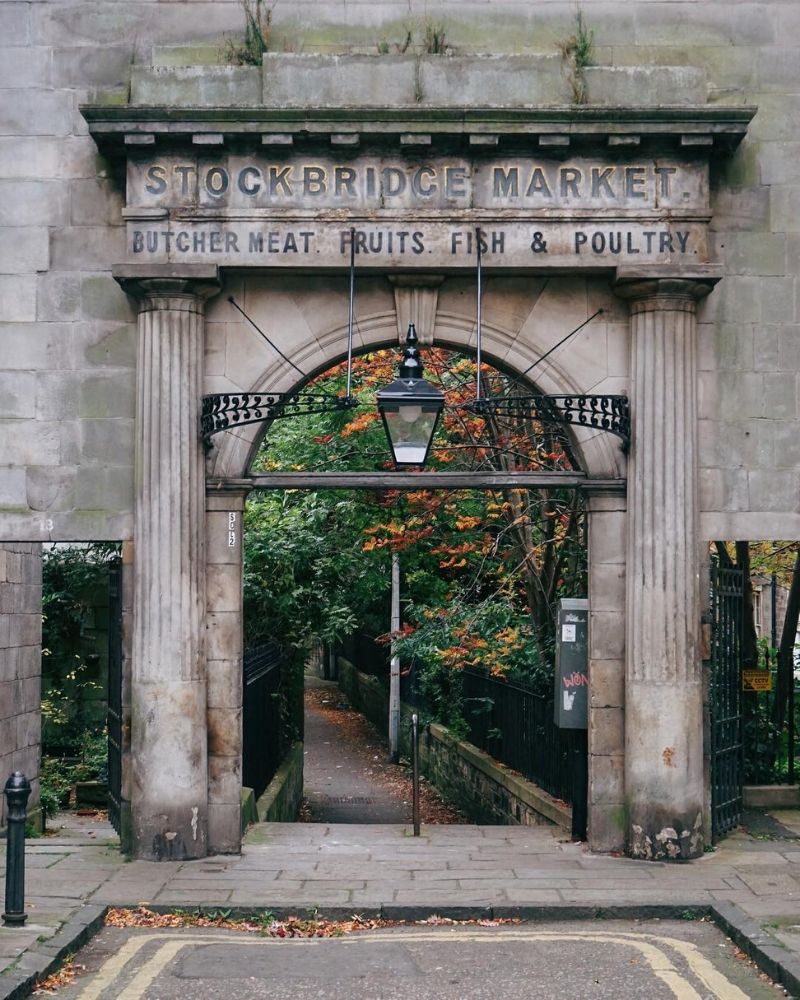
<point>302,211</point>
<point>383,183</point>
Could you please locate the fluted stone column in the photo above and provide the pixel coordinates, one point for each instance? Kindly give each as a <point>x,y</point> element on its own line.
<point>663,683</point>
<point>169,773</point>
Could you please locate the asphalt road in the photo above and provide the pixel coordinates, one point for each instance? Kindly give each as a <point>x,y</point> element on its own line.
<point>673,960</point>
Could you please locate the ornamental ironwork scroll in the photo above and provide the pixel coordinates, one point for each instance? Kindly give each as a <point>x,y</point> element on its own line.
<point>605,413</point>
<point>222,411</point>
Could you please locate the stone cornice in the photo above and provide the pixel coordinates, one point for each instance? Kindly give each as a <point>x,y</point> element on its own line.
<point>123,128</point>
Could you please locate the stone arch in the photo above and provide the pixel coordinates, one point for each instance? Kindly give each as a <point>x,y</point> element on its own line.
<point>511,346</point>
<point>524,317</point>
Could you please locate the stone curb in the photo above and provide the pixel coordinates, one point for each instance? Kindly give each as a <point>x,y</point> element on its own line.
<point>777,962</point>
<point>37,964</point>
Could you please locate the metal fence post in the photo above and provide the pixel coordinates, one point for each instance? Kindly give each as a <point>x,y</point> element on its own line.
<point>17,792</point>
<point>415,771</point>
<point>791,733</point>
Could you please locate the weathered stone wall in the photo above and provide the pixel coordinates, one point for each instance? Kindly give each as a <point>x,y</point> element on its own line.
<point>280,801</point>
<point>67,331</point>
<point>224,669</point>
<point>485,790</point>
<point>606,736</point>
<point>20,664</point>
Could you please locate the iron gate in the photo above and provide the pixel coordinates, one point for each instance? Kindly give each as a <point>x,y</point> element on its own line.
<point>114,712</point>
<point>262,743</point>
<point>725,696</point>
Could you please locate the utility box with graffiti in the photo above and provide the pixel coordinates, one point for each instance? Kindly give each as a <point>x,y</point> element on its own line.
<point>572,664</point>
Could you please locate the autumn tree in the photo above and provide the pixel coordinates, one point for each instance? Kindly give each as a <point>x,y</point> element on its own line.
<point>482,571</point>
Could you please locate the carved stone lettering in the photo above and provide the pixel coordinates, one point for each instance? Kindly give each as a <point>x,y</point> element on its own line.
<point>254,209</point>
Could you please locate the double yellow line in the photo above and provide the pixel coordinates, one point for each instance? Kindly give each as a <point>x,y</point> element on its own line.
<point>651,947</point>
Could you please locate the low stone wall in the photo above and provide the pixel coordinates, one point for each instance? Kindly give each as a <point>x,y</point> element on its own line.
<point>771,796</point>
<point>485,790</point>
<point>281,798</point>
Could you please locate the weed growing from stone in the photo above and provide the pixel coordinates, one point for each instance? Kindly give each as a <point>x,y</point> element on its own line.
<point>576,54</point>
<point>434,41</point>
<point>257,27</point>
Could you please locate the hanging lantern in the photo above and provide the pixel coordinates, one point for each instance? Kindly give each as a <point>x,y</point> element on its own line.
<point>410,408</point>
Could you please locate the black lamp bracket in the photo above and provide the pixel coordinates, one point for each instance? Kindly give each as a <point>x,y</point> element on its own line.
<point>221,411</point>
<point>605,413</point>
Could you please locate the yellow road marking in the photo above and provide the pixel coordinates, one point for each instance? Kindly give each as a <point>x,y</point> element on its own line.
<point>702,967</point>
<point>148,972</point>
<point>109,970</point>
<point>657,960</point>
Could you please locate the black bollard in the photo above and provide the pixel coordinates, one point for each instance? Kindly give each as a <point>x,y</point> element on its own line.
<point>17,792</point>
<point>415,772</point>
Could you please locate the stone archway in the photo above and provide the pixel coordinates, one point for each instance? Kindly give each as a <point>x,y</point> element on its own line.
<point>192,208</point>
<point>512,342</point>
<point>512,349</point>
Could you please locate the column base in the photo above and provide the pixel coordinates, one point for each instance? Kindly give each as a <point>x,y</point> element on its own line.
<point>164,837</point>
<point>656,834</point>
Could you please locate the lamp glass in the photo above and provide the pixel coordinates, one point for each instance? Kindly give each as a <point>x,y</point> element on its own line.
<point>410,433</point>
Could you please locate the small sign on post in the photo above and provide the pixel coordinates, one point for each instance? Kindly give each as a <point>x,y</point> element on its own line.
<point>572,664</point>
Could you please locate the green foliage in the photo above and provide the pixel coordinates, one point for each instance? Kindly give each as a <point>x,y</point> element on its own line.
<point>92,762</point>
<point>481,571</point>
<point>433,39</point>
<point>249,51</point>
<point>58,775</point>
<point>55,783</point>
<point>305,572</point>
<point>69,573</point>
<point>307,581</point>
<point>493,636</point>
<point>72,579</point>
<point>766,743</point>
<point>576,53</point>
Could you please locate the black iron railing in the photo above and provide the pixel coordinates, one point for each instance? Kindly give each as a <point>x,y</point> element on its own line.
<point>363,651</point>
<point>262,737</point>
<point>516,727</point>
<point>114,695</point>
<point>727,609</point>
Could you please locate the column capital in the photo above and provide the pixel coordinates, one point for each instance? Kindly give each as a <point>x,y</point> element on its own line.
<point>226,496</point>
<point>680,292</point>
<point>184,288</point>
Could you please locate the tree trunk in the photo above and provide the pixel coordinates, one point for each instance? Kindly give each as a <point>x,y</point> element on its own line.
<point>785,678</point>
<point>749,637</point>
<point>724,556</point>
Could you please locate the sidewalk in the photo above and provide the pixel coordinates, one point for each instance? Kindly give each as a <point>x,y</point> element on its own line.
<point>753,883</point>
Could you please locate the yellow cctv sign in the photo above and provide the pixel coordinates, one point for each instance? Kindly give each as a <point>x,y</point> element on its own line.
<point>756,680</point>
